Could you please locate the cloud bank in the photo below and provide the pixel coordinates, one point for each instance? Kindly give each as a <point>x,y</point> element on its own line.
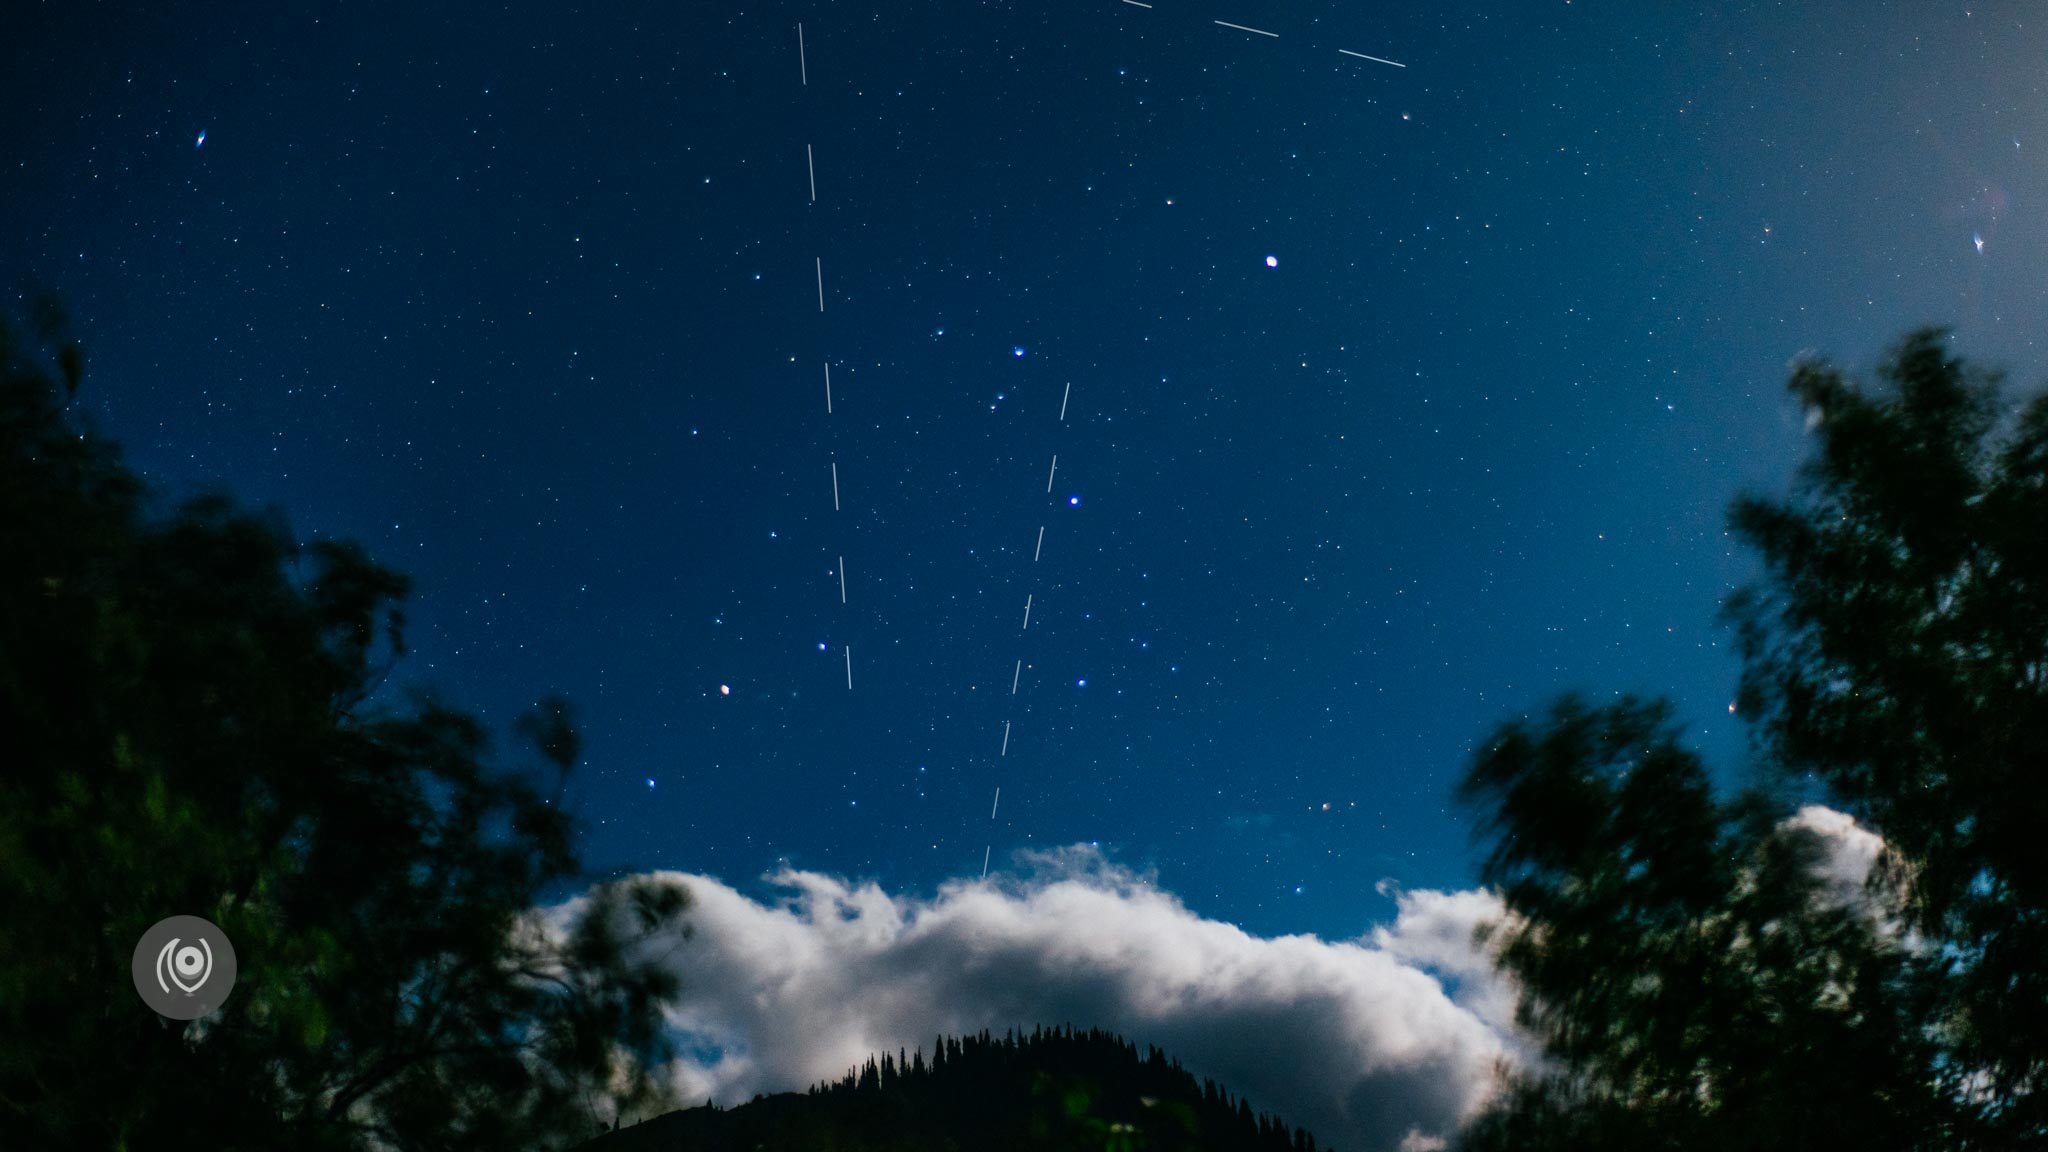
<point>1369,1043</point>
<point>1385,1042</point>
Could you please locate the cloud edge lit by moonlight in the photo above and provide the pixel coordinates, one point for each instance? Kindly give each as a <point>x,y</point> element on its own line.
<point>1388,1041</point>
<point>1360,1041</point>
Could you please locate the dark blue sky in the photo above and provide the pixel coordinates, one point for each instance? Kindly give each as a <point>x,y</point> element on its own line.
<point>523,297</point>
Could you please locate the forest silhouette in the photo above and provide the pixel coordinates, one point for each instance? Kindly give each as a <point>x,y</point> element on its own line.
<point>1050,1089</point>
<point>194,717</point>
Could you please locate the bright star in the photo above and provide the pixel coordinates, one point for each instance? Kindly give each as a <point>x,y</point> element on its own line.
<point>1272,261</point>
<point>201,140</point>
<point>1977,240</point>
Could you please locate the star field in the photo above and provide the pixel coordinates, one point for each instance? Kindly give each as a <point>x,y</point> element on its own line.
<point>1388,401</point>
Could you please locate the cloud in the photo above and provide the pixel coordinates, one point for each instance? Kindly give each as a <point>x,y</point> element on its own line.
<point>1852,849</point>
<point>1434,932</point>
<point>1386,1042</point>
<point>1851,854</point>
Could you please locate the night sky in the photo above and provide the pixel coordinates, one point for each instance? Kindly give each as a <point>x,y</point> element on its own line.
<point>1398,399</point>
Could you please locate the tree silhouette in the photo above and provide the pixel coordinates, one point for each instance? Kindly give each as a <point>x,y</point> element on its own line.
<point>1690,979</point>
<point>191,722</point>
<point>1903,662</point>
<point>1691,982</point>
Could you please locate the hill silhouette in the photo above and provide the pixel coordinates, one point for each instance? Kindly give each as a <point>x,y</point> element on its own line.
<point>1054,1089</point>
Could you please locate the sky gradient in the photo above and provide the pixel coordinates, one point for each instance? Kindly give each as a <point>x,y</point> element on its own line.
<point>1398,399</point>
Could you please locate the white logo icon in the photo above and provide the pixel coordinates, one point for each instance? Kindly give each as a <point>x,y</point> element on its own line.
<point>182,964</point>
<point>183,967</point>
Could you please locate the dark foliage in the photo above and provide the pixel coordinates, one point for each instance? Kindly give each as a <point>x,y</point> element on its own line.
<point>188,725</point>
<point>1902,660</point>
<point>1053,1090</point>
<point>1691,980</point>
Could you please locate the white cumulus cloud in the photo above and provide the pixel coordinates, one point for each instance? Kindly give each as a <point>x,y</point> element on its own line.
<point>1386,1042</point>
<point>1434,932</point>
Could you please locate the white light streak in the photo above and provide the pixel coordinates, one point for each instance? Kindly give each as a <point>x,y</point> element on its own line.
<point>1374,59</point>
